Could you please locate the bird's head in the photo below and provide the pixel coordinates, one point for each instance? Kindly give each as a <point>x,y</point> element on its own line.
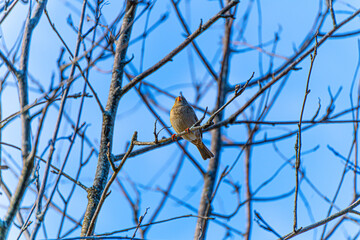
<point>180,100</point>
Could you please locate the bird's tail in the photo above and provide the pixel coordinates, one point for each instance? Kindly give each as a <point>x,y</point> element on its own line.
<point>204,151</point>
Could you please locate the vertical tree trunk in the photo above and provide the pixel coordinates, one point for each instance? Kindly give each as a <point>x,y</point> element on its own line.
<point>109,114</point>
<point>28,163</point>
<point>210,176</point>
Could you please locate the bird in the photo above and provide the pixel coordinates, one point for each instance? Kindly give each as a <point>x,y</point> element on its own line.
<point>182,117</point>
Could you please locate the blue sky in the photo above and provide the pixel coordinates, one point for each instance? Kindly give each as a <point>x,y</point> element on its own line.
<point>334,68</point>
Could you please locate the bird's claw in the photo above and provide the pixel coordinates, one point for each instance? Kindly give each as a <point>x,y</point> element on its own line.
<point>187,130</point>
<point>173,137</point>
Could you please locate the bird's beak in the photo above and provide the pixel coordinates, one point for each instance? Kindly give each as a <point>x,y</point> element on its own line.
<point>178,99</point>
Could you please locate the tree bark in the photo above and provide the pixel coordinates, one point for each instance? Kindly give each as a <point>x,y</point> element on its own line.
<point>109,114</point>
<point>210,176</point>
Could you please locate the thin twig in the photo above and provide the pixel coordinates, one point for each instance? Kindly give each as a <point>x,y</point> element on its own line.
<point>238,91</point>
<point>263,224</point>
<point>299,141</point>
<point>141,218</point>
<point>332,13</point>
<point>162,221</point>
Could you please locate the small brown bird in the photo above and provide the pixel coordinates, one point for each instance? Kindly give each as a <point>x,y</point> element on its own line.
<point>182,117</point>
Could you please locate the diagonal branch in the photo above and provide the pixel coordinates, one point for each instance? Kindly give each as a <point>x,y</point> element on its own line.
<point>173,53</point>
<point>112,179</point>
<point>324,221</point>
